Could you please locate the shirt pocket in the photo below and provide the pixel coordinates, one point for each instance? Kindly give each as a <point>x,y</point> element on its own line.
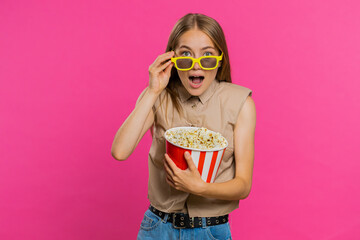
<point>159,132</point>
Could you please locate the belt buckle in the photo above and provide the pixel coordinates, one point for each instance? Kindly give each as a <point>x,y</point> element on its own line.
<point>173,222</point>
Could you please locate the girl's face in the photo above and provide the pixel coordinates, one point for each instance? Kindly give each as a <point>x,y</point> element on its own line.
<point>195,43</point>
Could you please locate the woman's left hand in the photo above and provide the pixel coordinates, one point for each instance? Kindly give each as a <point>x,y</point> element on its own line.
<point>188,180</point>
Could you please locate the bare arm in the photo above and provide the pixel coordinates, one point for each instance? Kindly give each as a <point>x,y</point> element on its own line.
<point>189,180</point>
<point>141,118</point>
<point>244,133</point>
<point>135,126</point>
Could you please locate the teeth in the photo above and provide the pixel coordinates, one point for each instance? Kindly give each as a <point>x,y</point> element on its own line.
<point>192,77</point>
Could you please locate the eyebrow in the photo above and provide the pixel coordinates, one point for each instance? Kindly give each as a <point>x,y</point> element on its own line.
<point>204,48</point>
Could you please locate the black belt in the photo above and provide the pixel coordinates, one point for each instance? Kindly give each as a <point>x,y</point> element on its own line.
<point>182,220</point>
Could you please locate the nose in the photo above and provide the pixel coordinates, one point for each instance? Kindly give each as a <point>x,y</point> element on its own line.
<point>196,66</point>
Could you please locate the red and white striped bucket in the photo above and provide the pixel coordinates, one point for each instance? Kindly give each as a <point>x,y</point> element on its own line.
<point>206,161</point>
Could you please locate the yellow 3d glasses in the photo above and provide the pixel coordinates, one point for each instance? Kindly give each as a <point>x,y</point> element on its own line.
<point>205,62</point>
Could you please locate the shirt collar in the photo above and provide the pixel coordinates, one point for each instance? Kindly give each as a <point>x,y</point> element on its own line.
<point>204,97</point>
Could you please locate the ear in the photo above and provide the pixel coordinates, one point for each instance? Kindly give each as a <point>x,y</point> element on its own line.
<point>220,62</point>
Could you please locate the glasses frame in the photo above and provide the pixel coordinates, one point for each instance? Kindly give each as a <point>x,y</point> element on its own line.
<point>197,60</point>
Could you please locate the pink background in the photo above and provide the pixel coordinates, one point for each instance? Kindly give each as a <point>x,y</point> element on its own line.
<point>71,71</point>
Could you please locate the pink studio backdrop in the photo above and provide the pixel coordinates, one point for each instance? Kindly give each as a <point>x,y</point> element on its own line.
<point>71,71</point>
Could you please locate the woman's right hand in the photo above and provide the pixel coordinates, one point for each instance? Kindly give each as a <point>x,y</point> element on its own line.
<point>160,71</point>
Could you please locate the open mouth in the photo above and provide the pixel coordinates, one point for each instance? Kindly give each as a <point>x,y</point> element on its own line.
<point>196,79</point>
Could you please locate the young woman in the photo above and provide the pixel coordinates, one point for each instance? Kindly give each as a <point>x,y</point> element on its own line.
<point>190,85</point>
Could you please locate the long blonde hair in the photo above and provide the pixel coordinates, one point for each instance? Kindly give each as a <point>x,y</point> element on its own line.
<point>214,31</point>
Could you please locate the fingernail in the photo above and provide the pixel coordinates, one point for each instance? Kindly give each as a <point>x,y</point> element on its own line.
<point>187,154</point>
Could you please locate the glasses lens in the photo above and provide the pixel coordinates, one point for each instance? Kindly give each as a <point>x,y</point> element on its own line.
<point>208,62</point>
<point>184,63</point>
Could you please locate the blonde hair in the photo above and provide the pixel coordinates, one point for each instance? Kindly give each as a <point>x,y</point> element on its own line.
<point>214,31</point>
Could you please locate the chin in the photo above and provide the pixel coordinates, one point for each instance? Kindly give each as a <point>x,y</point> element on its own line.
<point>195,92</point>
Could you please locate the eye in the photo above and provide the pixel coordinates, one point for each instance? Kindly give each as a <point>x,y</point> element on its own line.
<point>185,54</point>
<point>208,54</point>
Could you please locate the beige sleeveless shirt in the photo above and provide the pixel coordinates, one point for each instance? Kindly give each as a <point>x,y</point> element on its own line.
<point>216,109</point>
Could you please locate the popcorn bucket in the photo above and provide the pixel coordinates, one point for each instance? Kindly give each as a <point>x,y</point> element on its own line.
<point>206,161</point>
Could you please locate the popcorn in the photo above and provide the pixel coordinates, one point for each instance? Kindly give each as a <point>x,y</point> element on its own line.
<point>197,138</point>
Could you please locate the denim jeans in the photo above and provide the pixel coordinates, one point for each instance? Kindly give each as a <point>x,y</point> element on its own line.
<point>153,227</point>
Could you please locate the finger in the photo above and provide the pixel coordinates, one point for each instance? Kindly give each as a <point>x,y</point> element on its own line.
<point>163,58</point>
<point>168,169</point>
<point>168,69</point>
<point>171,163</point>
<point>168,173</point>
<point>164,66</point>
<point>189,161</point>
<point>168,180</point>
<point>156,69</point>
